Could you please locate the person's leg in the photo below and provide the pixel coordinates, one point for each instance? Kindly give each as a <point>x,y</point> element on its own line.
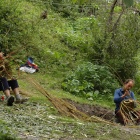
<point>120,117</point>
<point>7,93</point>
<point>15,87</point>
<point>16,92</point>
<point>5,88</point>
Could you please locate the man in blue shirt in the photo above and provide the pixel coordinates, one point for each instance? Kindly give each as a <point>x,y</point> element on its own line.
<point>122,94</point>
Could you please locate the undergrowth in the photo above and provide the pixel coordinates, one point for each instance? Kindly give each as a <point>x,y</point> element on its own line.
<point>62,46</point>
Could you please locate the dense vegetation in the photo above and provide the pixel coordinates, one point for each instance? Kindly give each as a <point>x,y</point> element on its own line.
<point>71,34</point>
<point>90,46</point>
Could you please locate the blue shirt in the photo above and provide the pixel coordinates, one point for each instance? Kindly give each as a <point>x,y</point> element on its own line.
<point>117,97</point>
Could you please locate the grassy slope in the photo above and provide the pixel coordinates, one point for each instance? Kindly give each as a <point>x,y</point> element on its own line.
<point>38,118</point>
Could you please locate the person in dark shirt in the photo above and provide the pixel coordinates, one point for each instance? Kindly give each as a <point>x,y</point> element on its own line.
<point>122,94</point>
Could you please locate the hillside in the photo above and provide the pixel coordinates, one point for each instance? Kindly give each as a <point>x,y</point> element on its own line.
<point>81,61</point>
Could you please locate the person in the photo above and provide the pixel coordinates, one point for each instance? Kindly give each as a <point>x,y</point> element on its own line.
<point>7,82</point>
<point>122,94</point>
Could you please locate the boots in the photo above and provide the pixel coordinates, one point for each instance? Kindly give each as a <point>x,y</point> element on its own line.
<point>21,101</point>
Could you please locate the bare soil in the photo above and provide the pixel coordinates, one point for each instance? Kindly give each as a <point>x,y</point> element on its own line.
<point>95,110</point>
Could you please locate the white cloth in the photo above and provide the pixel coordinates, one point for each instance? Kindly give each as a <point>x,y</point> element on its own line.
<point>27,69</point>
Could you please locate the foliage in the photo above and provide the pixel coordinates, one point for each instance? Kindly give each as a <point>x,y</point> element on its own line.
<point>16,28</point>
<point>70,34</point>
<point>89,80</point>
<point>20,30</point>
<point>83,34</point>
<point>79,33</point>
<point>75,9</point>
<point>123,46</point>
<point>59,43</point>
<point>88,35</point>
<point>128,2</point>
<point>8,32</point>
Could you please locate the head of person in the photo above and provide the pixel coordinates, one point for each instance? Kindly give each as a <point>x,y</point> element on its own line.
<point>128,84</point>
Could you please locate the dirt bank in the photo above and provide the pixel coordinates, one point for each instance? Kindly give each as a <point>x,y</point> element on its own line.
<point>96,110</point>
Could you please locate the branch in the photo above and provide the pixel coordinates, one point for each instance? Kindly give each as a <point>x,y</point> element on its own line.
<point>115,24</point>
<point>111,11</point>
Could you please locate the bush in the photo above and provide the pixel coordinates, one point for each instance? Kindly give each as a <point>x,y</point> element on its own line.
<point>10,25</point>
<point>89,80</point>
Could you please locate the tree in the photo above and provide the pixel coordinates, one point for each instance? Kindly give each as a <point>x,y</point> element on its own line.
<point>120,44</point>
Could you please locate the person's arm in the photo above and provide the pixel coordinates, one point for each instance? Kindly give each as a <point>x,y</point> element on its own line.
<point>132,95</point>
<point>117,96</point>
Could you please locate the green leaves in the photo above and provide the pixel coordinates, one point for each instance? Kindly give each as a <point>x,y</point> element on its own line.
<point>80,1</point>
<point>128,3</point>
<point>88,80</point>
<point>74,1</point>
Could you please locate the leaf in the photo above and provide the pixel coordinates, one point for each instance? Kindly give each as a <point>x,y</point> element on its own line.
<point>128,3</point>
<point>74,1</point>
<point>80,1</point>
<point>96,92</point>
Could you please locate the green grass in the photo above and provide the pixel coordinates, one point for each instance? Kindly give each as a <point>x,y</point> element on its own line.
<point>38,117</point>
<point>53,86</point>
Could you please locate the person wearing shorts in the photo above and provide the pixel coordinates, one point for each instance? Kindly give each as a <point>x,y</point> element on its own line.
<point>7,82</point>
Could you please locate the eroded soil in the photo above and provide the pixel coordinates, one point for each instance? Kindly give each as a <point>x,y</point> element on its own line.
<point>95,110</point>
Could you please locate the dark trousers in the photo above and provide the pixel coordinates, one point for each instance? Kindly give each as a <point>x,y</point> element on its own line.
<point>6,84</point>
<point>119,117</point>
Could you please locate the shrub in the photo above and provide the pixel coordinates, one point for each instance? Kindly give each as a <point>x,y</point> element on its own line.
<point>89,80</point>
